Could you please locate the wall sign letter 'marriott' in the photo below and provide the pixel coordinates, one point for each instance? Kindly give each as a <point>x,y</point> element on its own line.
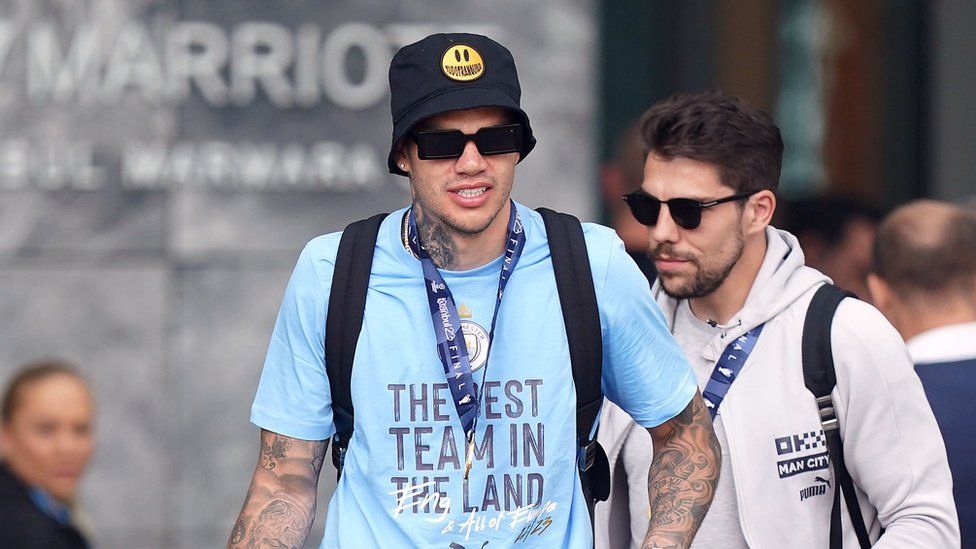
<point>87,67</point>
<point>292,67</point>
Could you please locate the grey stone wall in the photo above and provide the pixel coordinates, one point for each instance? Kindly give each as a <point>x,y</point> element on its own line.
<point>142,237</point>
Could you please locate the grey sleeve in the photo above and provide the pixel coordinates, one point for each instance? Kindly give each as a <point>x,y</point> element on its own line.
<point>635,460</point>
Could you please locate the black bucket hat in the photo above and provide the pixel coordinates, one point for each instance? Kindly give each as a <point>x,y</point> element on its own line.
<point>449,72</point>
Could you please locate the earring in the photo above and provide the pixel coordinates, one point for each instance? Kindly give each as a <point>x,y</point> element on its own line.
<point>401,166</point>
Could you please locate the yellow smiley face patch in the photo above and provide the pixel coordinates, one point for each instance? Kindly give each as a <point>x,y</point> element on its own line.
<point>462,63</point>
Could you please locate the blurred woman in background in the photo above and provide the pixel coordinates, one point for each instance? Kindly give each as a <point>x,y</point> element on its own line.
<point>45,444</point>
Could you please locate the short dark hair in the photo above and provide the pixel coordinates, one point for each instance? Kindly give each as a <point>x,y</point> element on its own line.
<point>30,373</point>
<point>827,217</point>
<point>927,256</point>
<point>712,126</point>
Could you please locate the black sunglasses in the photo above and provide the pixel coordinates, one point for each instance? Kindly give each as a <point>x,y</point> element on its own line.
<point>685,212</point>
<point>437,144</point>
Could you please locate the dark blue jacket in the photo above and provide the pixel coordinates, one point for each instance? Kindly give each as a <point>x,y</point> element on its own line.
<point>25,526</point>
<point>951,390</point>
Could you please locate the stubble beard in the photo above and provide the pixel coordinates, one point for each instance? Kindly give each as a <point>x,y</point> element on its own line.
<point>705,281</point>
<point>437,231</point>
<point>423,200</point>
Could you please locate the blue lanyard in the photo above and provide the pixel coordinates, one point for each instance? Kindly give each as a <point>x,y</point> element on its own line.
<point>727,369</point>
<point>447,323</point>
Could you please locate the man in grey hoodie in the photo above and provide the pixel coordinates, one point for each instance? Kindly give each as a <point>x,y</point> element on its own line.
<point>735,293</point>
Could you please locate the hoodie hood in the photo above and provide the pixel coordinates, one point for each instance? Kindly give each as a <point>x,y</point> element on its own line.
<point>782,279</point>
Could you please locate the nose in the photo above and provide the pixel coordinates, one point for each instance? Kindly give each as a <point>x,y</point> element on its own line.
<point>665,230</point>
<point>70,443</point>
<point>471,160</point>
<point>64,444</point>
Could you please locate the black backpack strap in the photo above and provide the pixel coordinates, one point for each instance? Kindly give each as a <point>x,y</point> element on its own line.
<point>347,301</point>
<point>820,379</point>
<point>577,297</point>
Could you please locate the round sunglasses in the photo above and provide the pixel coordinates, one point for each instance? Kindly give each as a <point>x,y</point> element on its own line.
<point>685,212</point>
<point>438,144</point>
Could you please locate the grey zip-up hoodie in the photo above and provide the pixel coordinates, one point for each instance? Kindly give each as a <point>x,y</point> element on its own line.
<point>892,444</point>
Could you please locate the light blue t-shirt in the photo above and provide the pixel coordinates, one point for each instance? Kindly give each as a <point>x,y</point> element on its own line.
<point>402,484</point>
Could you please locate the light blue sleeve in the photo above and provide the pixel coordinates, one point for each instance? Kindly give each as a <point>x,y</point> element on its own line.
<point>293,396</point>
<point>645,372</point>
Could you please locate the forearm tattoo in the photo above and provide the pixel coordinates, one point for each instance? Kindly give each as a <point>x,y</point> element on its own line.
<point>682,478</point>
<point>283,522</point>
<point>240,527</point>
<point>280,503</point>
<point>435,239</point>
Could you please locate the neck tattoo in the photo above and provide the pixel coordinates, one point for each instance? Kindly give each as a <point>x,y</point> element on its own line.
<point>434,238</point>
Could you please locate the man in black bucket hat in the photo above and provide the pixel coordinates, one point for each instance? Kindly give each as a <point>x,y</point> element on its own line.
<point>437,444</point>
<point>423,86</point>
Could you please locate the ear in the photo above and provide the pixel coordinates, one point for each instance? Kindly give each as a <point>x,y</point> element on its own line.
<point>881,294</point>
<point>760,207</point>
<point>402,163</point>
<point>402,157</point>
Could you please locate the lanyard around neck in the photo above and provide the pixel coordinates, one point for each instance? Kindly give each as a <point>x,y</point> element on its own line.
<point>727,369</point>
<point>451,347</point>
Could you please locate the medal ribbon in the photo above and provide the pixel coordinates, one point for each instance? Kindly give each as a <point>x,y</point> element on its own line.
<point>451,347</point>
<point>727,369</point>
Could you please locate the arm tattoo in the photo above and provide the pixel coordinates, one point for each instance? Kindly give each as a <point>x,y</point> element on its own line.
<point>435,239</point>
<point>683,475</point>
<point>281,523</point>
<point>318,455</point>
<point>280,503</point>
<point>240,530</point>
<point>271,454</point>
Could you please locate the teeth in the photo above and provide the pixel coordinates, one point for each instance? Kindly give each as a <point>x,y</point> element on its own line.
<point>471,193</point>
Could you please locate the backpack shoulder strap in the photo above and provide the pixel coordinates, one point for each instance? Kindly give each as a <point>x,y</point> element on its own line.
<point>347,301</point>
<point>820,379</point>
<point>818,359</point>
<point>577,297</point>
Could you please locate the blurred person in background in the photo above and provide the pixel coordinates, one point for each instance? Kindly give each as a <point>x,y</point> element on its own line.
<point>735,292</point>
<point>924,281</point>
<point>622,175</point>
<point>46,441</point>
<point>836,234</point>
<point>968,203</point>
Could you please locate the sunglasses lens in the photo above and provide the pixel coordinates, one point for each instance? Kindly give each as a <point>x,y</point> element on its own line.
<point>450,143</point>
<point>686,213</point>
<point>440,144</point>
<point>644,208</point>
<point>499,139</point>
